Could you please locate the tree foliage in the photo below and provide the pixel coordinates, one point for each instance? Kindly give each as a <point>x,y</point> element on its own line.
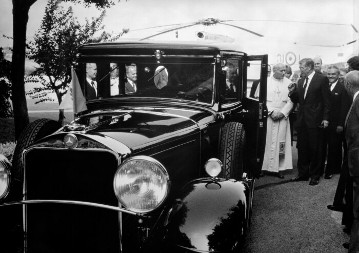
<point>55,47</point>
<point>5,87</point>
<point>20,18</point>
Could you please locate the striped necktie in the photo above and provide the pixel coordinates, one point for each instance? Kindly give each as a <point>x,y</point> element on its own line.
<point>94,86</point>
<point>305,86</point>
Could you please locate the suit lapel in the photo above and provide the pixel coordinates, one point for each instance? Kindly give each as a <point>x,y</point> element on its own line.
<point>350,110</point>
<point>337,88</point>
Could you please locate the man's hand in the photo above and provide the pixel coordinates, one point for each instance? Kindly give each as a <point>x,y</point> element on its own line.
<point>324,124</point>
<point>339,129</point>
<point>291,88</point>
<point>276,115</point>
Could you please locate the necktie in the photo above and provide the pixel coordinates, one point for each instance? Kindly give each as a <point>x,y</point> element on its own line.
<point>94,86</point>
<point>133,84</point>
<point>305,86</point>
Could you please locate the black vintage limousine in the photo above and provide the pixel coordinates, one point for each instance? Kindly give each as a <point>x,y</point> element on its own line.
<point>161,157</point>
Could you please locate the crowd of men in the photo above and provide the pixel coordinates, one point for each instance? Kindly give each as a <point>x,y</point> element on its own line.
<point>326,109</point>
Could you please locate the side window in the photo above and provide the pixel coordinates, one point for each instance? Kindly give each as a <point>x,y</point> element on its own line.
<point>91,85</point>
<point>114,79</point>
<point>231,91</point>
<point>253,79</point>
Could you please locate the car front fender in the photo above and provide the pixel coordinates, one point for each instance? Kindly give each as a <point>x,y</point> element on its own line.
<point>209,216</point>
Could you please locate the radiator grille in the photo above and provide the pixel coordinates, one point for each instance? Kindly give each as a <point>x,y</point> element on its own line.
<point>71,175</point>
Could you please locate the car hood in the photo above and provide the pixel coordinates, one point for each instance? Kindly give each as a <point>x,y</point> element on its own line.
<point>140,127</point>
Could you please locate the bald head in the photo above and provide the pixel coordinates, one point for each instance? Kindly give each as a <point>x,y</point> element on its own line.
<point>351,82</point>
<point>317,64</point>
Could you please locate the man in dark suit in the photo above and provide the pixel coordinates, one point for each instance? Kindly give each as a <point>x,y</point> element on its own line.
<point>91,84</point>
<point>333,134</point>
<point>352,139</point>
<point>131,75</point>
<point>253,93</point>
<point>313,97</point>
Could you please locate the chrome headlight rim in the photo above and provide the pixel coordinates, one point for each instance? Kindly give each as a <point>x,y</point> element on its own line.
<point>148,159</point>
<point>5,172</point>
<point>213,167</point>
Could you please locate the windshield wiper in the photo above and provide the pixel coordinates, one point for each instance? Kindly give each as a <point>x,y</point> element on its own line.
<point>156,74</point>
<point>108,73</point>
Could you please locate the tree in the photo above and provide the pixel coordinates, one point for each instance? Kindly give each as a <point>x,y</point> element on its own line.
<point>5,87</point>
<point>20,18</point>
<point>55,47</point>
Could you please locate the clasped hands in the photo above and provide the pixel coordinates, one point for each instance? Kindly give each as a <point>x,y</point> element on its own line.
<point>276,115</point>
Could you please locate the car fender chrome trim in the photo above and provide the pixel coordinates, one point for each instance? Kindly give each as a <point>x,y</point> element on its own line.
<point>70,202</point>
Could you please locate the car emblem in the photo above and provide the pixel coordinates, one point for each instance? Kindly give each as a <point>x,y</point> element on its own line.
<point>70,141</point>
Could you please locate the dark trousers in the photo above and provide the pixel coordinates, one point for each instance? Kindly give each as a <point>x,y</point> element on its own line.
<point>344,191</point>
<point>354,235</point>
<point>341,187</point>
<point>309,146</point>
<point>332,150</point>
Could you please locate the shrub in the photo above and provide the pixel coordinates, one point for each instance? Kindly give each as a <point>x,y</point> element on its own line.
<point>7,149</point>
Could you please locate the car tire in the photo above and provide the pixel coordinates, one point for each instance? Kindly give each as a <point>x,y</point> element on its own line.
<point>33,132</point>
<point>231,150</point>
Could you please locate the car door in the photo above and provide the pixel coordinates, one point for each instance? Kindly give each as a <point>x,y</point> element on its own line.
<point>255,116</point>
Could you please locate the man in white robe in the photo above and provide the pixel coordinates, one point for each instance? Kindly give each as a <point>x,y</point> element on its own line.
<point>278,151</point>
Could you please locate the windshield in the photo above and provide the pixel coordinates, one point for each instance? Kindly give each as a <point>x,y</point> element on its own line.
<point>189,81</point>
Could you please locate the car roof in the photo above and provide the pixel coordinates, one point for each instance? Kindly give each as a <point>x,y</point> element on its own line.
<point>148,47</point>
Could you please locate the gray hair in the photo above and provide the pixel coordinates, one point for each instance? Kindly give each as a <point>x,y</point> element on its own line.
<point>308,62</point>
<point>334,67</point>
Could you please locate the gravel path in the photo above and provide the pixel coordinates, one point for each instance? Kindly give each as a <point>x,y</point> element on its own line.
<point>293,217</point>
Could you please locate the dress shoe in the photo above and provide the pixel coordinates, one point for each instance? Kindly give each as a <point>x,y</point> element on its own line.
<point>298,178</point>
<point>346,245</point>
<point>280,175</point>
<point>314,181</point>
<point>328,176</point>
<point>335,208</point>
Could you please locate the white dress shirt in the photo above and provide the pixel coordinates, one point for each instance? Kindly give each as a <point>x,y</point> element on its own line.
<point>332,86</point>
<point>310,77</point>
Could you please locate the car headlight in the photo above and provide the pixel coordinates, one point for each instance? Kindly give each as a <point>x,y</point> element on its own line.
<point>4,176</point>
<point>213,167</point>
<point>141,184</point>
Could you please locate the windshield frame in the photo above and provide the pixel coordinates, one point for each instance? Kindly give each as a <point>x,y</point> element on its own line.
<point>169,62</point>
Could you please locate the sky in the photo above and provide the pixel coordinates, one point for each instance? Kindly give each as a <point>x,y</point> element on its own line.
<point>280,37</point>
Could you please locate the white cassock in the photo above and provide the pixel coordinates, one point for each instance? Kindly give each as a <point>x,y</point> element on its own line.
<point>278,150</point>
